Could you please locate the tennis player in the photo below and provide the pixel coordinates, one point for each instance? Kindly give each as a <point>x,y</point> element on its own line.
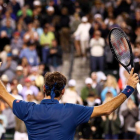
<point>51,120</point>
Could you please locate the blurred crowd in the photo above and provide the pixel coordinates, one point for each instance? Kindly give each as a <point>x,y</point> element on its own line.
<point>34,37</point>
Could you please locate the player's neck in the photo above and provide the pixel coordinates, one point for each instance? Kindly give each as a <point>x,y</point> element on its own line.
<point>49,97</point>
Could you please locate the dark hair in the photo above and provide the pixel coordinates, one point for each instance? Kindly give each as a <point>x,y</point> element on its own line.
<point>57,79</point>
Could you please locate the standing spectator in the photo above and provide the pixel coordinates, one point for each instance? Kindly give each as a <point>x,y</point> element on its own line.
<point>46,42</point>
<point>10,129</point>
<point>55,57</point>
<point>97,51</point>
<point>30,53</point>
<point>83,32</point>
<point>65,31</point>
<point>9,67</point>
<point>130,117</point>
<point>88,89</point>
<point>71,95</point>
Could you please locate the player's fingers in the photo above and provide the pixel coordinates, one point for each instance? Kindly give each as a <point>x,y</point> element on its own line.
<point>135,75</point>
<point>131,72</point>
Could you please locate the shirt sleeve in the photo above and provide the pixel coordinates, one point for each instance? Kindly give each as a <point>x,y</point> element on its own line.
<point>21,109</point>
<point>82,113</point>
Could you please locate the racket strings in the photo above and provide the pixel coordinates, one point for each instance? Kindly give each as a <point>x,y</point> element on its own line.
<point>120,46</point>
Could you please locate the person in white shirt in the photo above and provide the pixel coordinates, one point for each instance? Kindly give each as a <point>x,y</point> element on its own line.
<point>83,33</point>
<point>97,51</point>
<point>71,95</point>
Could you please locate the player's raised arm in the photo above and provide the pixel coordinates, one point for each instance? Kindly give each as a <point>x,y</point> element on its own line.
<point>107,108</point>
<point>5,95</point>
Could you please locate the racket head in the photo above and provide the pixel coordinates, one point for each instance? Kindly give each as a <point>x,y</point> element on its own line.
<point>121,48</point>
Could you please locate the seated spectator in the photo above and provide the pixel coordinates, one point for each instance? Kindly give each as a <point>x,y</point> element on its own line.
<point>71,95</point>
<point>5,80</point>
<point>30,96</point>
<point>24,11</point>
<point>111,126</point>
<point>15,6</point>
<point>10,129</point>
<point>16,42</point>
<point>8,20</point>
<point>88,90</point>
<point>38,79</point>
<point>55,57</point>
<point>28,86</point>
<point>19,74</point>
<point>130,115</point>
<point>30,53</point>
<point>4,40</point>
<point>46,42</point>
<point>9,67</point>
<point>7,27</point>
<point>3,54</point>
<point>98,83</point>
<point>39,97</point>
<point>3,124</point>
<point>16,95</point>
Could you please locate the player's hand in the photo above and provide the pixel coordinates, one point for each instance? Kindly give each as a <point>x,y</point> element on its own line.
<point>133,79</point>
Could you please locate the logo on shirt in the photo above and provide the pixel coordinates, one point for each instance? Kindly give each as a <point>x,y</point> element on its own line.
<point>17,101</point>
<point>128,90</point>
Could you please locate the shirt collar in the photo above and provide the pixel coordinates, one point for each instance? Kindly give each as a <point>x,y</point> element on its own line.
<point>49,101</point>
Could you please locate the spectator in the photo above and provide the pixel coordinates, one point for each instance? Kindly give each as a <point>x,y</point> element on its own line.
<point>10,129</point>
<point>55,57</point>
<point>30,53</point>
<point>71,95</point>
<point>16,95</point>
<point>15,6</point>
<point>9,67</point>
<point>46,42</point>
<point>30,96</point>
<point>88,90</point>
<point>97,52</point>
<point>5,80</point>
<point>4,40</point>
<point>29,87</point>
<point>8,20</point>
<point>19,74</point>
<point>137,127</point>
<point>36,77</point>
<point>83,32</point>
<point>131,116</point>
<point>39,97</point>
<point>16,42</point>
<point>3,124</point>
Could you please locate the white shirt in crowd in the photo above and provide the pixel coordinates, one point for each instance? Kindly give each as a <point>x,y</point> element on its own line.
<point>71,96</point>
<point>97,49</point>
<point>83,31</point>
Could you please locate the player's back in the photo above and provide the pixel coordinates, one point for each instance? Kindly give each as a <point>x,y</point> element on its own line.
<point>51,120</point>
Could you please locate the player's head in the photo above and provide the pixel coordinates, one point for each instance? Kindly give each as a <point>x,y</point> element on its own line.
<point>54,84</point>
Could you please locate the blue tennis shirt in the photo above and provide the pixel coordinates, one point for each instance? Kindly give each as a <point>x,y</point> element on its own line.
<point>51,120</point>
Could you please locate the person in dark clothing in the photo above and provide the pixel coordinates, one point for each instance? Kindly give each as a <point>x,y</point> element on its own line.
<point>15,6</point>
<point>4,40</point>
<point>55,57</point>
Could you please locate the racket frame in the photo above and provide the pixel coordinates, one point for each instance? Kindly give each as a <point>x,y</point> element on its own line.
<point>130,49</point>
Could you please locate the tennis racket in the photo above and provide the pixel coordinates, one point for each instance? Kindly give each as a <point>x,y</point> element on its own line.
<point>121,48</point>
